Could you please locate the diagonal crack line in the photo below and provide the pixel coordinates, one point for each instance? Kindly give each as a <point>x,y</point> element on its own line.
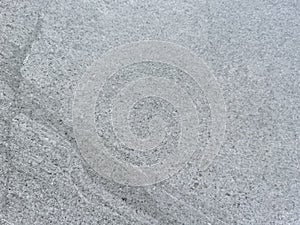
<point>32,107</point>
<point>24,102</point>
<point>13,67</point>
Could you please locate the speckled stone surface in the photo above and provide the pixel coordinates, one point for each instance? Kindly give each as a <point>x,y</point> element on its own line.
<point>252,49</point>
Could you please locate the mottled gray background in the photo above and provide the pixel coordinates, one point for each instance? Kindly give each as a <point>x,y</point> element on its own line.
<point>252,48</point>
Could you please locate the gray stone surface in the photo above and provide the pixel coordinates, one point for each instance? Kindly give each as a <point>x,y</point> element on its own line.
<point>251,47</point>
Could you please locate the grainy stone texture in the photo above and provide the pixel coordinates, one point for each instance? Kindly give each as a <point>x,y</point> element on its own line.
<point>252,48</point>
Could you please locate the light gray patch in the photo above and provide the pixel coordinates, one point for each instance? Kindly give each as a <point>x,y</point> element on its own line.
<point>146,112</point>
<point>92,147</point>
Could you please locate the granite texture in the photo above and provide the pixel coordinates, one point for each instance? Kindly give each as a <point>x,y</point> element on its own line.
<point>251,47</point>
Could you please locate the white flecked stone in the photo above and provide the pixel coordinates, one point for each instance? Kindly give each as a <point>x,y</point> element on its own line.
<point>251,47</point>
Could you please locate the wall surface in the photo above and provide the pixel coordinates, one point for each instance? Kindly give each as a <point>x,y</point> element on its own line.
<point>252,52</point>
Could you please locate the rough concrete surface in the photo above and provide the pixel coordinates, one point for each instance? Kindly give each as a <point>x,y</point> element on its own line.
<point>251,51</point>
